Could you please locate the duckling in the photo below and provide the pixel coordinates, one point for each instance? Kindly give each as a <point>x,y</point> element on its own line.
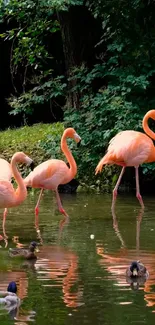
<point>29,253</point>
<point>137,269</point>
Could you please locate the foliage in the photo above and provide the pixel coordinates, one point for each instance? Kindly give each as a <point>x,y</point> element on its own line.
<point>30,25</point>
<point>27,102</point>
<point>102,115</point>
<point>115,90</point>
<point>119,89</point>
<point>30,140</point>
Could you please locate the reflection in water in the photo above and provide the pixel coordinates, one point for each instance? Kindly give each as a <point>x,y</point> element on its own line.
<point>60,265</point>
<point>115,226</point>
<point>81,262</point>
<point>62,224</point>
<point>135,283</point>
<point>38,230</point>
<point>117,263</point>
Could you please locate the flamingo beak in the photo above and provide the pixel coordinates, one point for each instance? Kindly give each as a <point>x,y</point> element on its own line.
<point>77,139</point>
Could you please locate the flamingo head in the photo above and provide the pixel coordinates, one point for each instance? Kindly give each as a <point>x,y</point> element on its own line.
<point>21,157</point>
<point>71,133</point>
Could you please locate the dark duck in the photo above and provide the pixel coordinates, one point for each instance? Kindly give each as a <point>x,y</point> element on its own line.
<point>137,269</point>
<point>28,254</point>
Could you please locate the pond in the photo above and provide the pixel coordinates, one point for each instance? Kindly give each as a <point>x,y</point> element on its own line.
<point>79,276</point>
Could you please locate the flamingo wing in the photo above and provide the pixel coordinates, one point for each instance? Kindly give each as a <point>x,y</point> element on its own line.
<point>127,148</point>
<point>5,170</point>
<point>130,147</point>
<point>7,194</point>
<point>52,171</point>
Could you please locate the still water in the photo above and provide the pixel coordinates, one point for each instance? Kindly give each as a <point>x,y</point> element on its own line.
<point>79,276</point>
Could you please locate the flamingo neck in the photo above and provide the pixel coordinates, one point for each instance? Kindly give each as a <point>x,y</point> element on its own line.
<point>69,156</point>
<point>21,191</point>
<point>146,128</point>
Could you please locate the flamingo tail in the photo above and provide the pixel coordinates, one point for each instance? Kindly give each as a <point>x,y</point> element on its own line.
<point>107,159</point>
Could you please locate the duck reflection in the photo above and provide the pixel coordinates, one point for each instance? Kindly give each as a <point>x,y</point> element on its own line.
<point>136,282</point>
<point>117,263</point>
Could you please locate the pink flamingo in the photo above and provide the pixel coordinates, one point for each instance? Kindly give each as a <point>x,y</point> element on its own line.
<point>130,148</point>
<point>53,172</point>
<point>9,197</point>
<point>5,174</point>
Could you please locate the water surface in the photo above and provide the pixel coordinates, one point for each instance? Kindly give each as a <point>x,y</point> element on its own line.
<point>79,276</point>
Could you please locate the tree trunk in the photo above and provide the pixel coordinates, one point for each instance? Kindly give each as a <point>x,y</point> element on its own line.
<point>65,21</point>
<point>78,32</point>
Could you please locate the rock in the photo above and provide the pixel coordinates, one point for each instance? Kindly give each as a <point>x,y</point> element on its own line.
<point>70,187</point>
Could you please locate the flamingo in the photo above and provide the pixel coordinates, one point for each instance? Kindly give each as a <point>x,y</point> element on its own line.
<point>130,148</point>
<point>5,173</point>
<point>9,197</point>
<point>51,173</point>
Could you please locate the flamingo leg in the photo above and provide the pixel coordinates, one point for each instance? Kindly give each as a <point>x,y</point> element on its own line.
<point>60,207</point>
<point>4,218</point>
<point>3,225</point>
<point>116,187</point>
<point>138,195</point>
<point>38,202</point>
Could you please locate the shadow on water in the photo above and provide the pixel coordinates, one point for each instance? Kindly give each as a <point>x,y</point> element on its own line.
<point>80,273</point>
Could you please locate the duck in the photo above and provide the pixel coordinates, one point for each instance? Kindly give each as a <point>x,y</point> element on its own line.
<point>28,254</point>
<point>137,269</point>
<point>9,296</point>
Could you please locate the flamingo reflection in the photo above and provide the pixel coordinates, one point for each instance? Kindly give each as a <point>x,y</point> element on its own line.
<point>60,265</point>
<point>117,263</point>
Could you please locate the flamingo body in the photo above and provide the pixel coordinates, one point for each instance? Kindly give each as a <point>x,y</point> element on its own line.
<point>130,148</point>
<point>10,197</point>
<point>5,170</point>
<point>54,172</point>
<point>49,175</point>
<point>7,197</point>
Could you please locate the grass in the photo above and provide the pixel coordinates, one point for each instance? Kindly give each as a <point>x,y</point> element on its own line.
<point>31,140</point>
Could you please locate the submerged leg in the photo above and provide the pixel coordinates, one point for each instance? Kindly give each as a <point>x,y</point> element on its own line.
<point>138,195</point>
<point>60,207</point>
<point>116,186</point>
<point>38,202</point>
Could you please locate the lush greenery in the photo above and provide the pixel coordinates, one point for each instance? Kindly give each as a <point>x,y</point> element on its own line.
<point>33,141</point>
<point>103,89</point>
